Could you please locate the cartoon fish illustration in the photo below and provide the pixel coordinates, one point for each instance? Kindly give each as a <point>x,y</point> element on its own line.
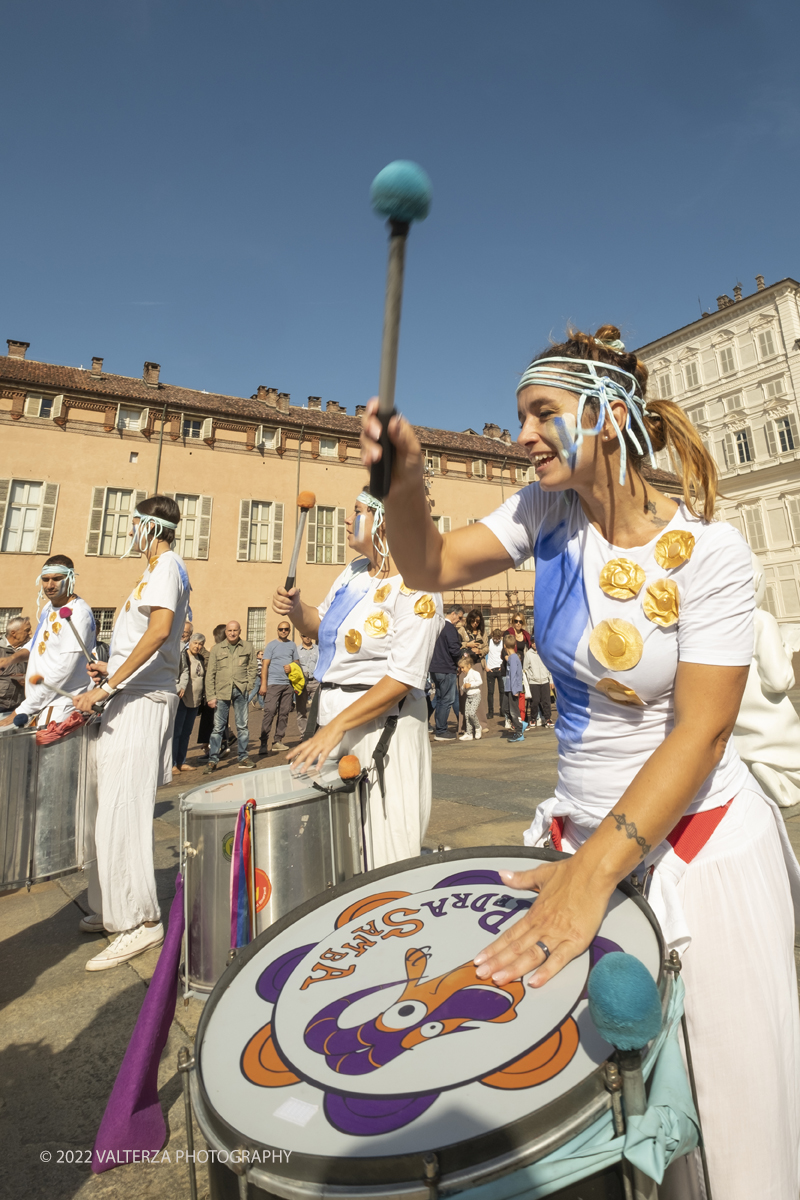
<point>426,1010</point>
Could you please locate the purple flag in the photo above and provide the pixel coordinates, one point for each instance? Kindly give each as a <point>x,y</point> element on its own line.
<point>133,1122</point>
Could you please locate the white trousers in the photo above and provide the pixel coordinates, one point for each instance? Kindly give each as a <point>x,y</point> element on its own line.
<point>399,824</point>
<point>134,756</point>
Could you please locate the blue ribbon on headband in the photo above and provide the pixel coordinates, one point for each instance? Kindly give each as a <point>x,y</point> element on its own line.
<point>592,382</point>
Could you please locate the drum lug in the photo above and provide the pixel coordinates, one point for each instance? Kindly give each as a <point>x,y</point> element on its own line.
<point>189,850</point>
<point>430,1167</point>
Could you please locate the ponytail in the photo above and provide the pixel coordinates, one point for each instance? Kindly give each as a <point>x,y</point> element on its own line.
<point>670,429</point>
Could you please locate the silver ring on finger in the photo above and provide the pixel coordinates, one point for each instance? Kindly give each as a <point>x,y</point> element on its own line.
<point>544,950</point>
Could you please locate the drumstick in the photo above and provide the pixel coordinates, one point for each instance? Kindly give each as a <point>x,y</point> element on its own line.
<point>35,680</point>
<point>401,192</point>
<point>626,1008</point>
<point>66,615</point>
<point>305,501</point>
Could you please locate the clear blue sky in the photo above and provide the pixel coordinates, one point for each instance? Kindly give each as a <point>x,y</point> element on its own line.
<point>187,182</point>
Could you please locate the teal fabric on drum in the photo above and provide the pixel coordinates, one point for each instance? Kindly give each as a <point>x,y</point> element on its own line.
<point>669,1129</point>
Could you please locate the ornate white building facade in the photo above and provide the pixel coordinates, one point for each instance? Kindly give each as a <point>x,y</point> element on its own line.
<point>736,373</point>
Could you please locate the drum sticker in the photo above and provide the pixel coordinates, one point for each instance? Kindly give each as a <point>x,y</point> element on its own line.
<point>375,1015</point>
<point>227,845</point>
<point>263,889</point>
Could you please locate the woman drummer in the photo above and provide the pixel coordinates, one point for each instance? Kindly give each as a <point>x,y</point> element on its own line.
<point>376,638</point>
<point>644,616</point>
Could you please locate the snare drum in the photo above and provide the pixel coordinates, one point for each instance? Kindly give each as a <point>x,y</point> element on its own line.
<point>352,1051</point>
<point>304,841</point>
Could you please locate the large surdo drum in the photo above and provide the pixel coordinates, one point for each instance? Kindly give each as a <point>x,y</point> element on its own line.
<point>352,1051</point>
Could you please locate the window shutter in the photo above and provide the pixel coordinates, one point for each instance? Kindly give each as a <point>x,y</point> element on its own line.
<point>730,452</point>
<point>32,406</point>
<point>5,487</point>
<point>341,535</point>
<point>259,438</point>
<point>445,525</point>
<point>793,427</point>
<point>96,520</point>
<point>204,536</point>
<point>243,551</point>
<point>58,408</point>
<point>276,554</point>
<point>311,538</point>
<point>772,443</point>
<point>139,498</point>
<point>47,519</point>
<point>207,430</point>
<point>144,420</point>
<point>751,443</point>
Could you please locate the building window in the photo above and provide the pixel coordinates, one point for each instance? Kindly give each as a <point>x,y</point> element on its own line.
<point>697,413</point>
<point>104,622</point>
<point>257,627</point>
<point>266,531</point>
<point>732,403</point>
<point>754,525</point>
<point>128,418</point>
<point>775,387</point>
<point>766,343</point>
<point>266,437</point>
<point>433,464</point>
<point>22,517</point>
<point>117,520</point>
<point>744,452</point>
<point>727,360</point>
<point>786,436</point>
<point>441,523</point>
<point>529,564</point>
<point>789,590</point>
<point>326,535</point>
<point>192,427</point>
<point>692,375</point>
<point>194,529</point>
<point>479,468</point>
<point>664,387</point>
<point>6,615</point>
<point>794,516</point>
<point>328,447</point>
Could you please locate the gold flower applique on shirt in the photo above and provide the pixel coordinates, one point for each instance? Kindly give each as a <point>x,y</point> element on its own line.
<point>674,548</point>
<point>425,607</point>
<point>377,625</point>
<point>383,593</point>
<point>616,644</point>
<point>621,579</point>
<point>619,692</point>
<point>407,591</point>
<point>661,603</point>
<point>56,628</point>
<point>352,641</point>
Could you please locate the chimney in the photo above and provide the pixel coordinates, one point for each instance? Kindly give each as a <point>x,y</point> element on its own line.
<point>315,402</point>
<point>333,406</point>
<point>17,349</point>
<point>97,366</point>
<point>760,285</point>
<point>723,302</point>
<point>150,374</point>
<point>283,401</point>
<point>267,395</point>
<point>737,293</point>
<point>360,410</point>
<point>505,436</point>
<point>491,431</point>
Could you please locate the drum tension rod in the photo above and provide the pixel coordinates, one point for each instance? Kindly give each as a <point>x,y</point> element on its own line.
<point>430,1167</point>
<point>673,964</point>
<point>185,1065</point>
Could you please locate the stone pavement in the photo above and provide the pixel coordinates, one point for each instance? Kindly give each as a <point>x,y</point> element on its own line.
<point>63,1032</point>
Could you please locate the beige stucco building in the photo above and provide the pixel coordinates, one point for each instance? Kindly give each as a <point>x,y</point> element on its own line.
<point>81,447</point>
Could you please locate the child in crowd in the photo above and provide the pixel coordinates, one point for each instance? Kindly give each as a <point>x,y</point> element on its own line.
<point>470,685</point>
<point>514,687</point>
<point>494,673</point>
<point>537,679</point>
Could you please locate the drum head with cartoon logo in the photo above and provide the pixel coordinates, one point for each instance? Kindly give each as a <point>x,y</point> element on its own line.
<point>355,1037</point>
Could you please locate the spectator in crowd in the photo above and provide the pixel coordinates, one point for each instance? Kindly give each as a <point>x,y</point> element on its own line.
<point>188,629</point>
<point>255,697</point>
<point>13,663</point>
<point>307,656</point>
<point>519,629</point>
<point>494,673</point>
<point>476,640</point>
<point>229,678</point>
<point>206,726</point>
<point>470,681</point>
<point>537,678</point>
<point>514,688</point>
<point>276,688</point>
<point>443,668</point>
<point>191,690</point>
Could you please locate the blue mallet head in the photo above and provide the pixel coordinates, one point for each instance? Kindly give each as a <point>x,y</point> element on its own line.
<point>624,1002</point>
<point>402,192</point>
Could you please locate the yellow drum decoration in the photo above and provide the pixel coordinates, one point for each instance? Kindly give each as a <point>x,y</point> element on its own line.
<point>425,607</point>
<point>674,548</point>
<point>377,625</point>
<point>352,641</point>
<point>619,692</point>
<point>661,602</point>
<point>616,644</point>
<point>622,579</point>
<point>383,593</point>
<point>407,591</point>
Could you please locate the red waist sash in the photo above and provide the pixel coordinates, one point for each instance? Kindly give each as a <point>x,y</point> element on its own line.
<point>687,838</point>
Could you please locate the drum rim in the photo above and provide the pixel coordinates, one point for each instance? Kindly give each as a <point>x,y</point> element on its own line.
<point>587,1100</point>
<point>326,784</point>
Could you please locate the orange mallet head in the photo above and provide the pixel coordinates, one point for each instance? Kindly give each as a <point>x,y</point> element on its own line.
<point>349,767</point>
<point>36,680</point>
<point>306,500</point>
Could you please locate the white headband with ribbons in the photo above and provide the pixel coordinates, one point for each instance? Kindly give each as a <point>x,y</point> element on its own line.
<point>380,543</point>
<point>55,569</point>
<point>149,527</point>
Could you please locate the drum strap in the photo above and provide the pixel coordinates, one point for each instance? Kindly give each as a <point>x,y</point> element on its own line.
<point>313,712</point>
<point>382,749</point>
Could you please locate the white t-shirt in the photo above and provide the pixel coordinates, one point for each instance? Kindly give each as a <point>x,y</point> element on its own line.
<point>370,628</point>
<point>55,654</point>
<point>494,655</point>
<point>163,584</point>
<point>471,683</point>
<point>603,743</point>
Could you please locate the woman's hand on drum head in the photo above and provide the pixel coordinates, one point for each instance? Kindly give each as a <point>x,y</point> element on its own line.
<point>311,755</point>
<point>565,917</point>
<point>284,603</point>
<point>409,460</point>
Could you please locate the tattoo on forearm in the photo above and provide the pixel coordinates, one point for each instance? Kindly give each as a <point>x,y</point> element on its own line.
<point>631,832</point>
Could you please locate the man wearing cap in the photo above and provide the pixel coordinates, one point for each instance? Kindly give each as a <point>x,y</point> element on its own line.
<point>54,650</point>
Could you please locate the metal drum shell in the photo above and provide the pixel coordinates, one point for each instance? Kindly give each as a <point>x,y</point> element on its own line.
<point>460,1168</point>
<point>305,842</point>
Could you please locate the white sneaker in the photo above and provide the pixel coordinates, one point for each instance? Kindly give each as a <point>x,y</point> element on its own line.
<point>91,923</point>
<point>478,735</point>
<point>127,946</point>
<point>465,737</point>
<point>508,725</point>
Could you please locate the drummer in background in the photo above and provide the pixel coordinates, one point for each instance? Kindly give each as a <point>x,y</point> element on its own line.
<point>54,650</point>
<point>644,615</point>
<point>134,747</point>
<point>376,637</point>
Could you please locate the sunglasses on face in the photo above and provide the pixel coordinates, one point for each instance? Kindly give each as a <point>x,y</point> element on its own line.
<point>283,629</point>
